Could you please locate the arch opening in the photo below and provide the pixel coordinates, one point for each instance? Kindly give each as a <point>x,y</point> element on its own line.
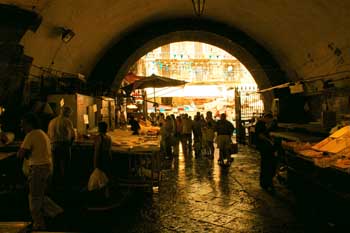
<point>214,77</point>
<point>116,62</point>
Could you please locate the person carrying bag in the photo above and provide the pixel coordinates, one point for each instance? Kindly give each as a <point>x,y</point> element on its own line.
<point>100,177</point>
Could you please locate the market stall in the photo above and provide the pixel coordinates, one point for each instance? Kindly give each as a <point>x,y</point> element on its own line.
<point>136,159</point>
<point>319,170</point>
<point>142,154</point>
<point>333,151</point>
<point>85,110</point>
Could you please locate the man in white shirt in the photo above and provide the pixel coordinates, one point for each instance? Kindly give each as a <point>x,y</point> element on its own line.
<point>61,134</point>
<point>36,149</point>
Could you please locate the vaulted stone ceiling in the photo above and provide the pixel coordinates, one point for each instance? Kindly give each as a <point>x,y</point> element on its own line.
<point>306,38</point>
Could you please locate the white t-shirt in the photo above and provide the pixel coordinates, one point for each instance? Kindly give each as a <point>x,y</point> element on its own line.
<point>39,144</point>
<point>60,129</point>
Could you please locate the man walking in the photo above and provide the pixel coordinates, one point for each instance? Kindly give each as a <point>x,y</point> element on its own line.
<point>36,149</point>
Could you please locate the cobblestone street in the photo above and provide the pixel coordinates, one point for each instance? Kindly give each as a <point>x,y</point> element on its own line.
<point>197,195</point>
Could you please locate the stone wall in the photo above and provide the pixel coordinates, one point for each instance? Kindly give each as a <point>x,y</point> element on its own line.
<point>14,64</point>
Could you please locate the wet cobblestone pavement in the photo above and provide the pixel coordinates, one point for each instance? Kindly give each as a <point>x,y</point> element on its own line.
<point>197,195</point>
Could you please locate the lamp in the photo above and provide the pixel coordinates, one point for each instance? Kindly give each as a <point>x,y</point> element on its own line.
<point>198,6</point>
<point>67,35</point>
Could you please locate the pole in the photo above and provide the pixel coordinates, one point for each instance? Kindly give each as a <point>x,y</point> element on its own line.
<point>144,103</point>
<point>154,100</point>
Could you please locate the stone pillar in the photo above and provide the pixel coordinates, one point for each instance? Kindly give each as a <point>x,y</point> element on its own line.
<point>14,65</point>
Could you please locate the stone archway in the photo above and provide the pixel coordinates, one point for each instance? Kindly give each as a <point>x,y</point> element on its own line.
<point>111,69</point>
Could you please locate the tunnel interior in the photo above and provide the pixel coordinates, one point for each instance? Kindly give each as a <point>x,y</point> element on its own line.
<point>114,65</point>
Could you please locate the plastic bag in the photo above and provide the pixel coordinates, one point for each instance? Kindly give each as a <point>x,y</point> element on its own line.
<point>97,180</point>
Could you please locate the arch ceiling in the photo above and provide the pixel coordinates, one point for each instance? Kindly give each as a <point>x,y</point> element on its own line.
<point>306,38</point>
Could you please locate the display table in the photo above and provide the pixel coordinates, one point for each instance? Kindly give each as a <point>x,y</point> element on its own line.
<point>10,171</point>
<point>314,128</point>
<point>136,160</point>
<point>6,155</point>
<point>12,147</point>
<point>142,153</point>
<point>318,171</point>
<point>324,191</point>
<point>333,178</point>
<point>14,227</point>
<point>296,136</point>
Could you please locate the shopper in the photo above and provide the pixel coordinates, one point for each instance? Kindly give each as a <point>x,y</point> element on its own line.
<point>168,137</point>
<point>103,145</point>
<point>36,149</point>
<point>186,135</point>
<point>209,132</point>
<point>135,126</point>
<point>177,135</point>
<point>102,155</point>
<point>197,134</point>
<point>265,146</point>
<point>61,134</point>
<point>224,130</point>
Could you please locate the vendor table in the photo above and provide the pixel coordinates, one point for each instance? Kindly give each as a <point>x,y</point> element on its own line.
<point>144,166</point>
<point>296,136</point>
<point>5,155</point>
<point>142,153</point>
<point>332,179</point>
<point>135,158</point>
<point>322,190</point>
<point>14,227</point>
<point>10,171</point>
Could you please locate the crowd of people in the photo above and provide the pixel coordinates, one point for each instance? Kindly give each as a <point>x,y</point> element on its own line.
<point>199,135</point>
<point>195,135</point>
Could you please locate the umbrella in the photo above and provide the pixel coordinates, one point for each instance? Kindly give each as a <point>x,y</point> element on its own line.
<point>157,81</point>
<point>154,81</point>
<point>131,78</point>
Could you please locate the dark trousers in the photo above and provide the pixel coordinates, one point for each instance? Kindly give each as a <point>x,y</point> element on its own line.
<point>186,141</point>
<point>61,154</point>
<point>267,167</point>
<point>167,146</point>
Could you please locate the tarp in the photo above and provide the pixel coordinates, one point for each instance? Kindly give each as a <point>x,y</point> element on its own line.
<point>153,81</point>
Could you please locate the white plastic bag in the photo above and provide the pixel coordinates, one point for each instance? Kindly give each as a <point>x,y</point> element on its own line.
<point>97,180</point>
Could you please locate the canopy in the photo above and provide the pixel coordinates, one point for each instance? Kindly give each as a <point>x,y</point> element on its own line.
<point>154,81</point>
<point>131,78</point>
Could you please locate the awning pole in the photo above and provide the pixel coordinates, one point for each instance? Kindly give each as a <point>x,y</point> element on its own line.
<point>154,100</point>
